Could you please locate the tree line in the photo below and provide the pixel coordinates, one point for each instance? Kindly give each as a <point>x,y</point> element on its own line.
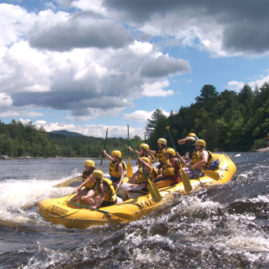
<point>228,121</point>
<point>20,140</point>
<point>17,139</point>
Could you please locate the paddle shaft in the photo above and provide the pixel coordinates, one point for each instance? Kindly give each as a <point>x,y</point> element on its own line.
<point>102,157</point>
<point>121,215</point>
<point>171,138</point>
<point>185,179</point>
<point>128,133</point>
<point>85,206</point>
<point>129,166</point>
<point>67,182</point>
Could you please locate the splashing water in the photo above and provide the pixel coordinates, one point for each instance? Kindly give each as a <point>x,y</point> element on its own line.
<point>223,227</point>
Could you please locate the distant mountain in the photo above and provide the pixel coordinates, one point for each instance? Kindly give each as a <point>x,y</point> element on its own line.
<point>65,133</point>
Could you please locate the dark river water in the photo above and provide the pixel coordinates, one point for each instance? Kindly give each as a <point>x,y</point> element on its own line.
<point>223,227</point>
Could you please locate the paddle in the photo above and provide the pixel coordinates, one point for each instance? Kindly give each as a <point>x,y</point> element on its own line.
<point>129,166</point>
<point>156,196</point>
<point>212,174</point>
<point>120,215</point>
<point>185,179</point>
<point>102,157</point>
<point>67,182</point>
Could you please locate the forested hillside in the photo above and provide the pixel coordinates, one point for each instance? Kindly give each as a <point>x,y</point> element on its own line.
<point>18,140</point>
<point>228,121</point>
<point>81,146</point>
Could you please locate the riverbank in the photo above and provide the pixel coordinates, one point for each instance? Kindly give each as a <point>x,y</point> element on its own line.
<point>263,149</point>
<point>6,157</point>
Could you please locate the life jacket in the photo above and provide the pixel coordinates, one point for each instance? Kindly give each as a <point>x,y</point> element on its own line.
<point>196,157</point>
<point>170,167</point>
<point>209,158</point>
<point>170,174</point>
<point>109,190</point>
<point>142,178</point>
<point>161,156</point>
<point>153,174</point>
<point>114,168</point>
<point>85,175</point>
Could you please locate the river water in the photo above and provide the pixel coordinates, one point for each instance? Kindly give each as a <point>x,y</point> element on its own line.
<point>223,227</point>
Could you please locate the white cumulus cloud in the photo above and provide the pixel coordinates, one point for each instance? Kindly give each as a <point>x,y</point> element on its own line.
<point>157,89</point>
<point>238,85</point>
<point>141,116</point>
<point>96,130</point>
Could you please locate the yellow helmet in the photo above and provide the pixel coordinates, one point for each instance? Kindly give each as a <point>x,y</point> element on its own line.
<point>116,153</point>
<point>98,174</point>
<point>146,160</point>
<point>144,146</point>
<point>191,134</point>
<point>162,141</point>
<point>171,151</point>
<point>89,163</point>
<point>201,142</point>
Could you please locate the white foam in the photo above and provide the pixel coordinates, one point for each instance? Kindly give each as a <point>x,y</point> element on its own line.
<point>193,205</point>
<point>16,196</point>
<point>148,257</point>
<point>249,243</point>
<point>52,257</point>
<point>260,198</point>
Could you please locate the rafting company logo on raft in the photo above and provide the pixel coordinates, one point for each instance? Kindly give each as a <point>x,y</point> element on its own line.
<point>144,204</point>
<point>58,210</point>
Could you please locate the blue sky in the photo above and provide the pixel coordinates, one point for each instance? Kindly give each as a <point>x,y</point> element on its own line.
<point>84,66</point>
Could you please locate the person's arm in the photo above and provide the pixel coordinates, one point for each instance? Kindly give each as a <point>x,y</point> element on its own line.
<point>83,184</point>
<point>181,141</point>
<point>107,155</point>
<point>102,197</point>
<point>184,140</point>
<point>131,149</point>
<point>181,158</point>
<point>203,162</point>
<point>153,152</point>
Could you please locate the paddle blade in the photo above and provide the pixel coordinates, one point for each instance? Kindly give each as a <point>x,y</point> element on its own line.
<point>156,196</point>
<point>129,172</point>
<point>186,181</point>
<point>67,182</point>
<point>212,174</point>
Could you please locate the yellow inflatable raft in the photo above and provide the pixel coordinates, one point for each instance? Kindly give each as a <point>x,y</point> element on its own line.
<point>60,211</point>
